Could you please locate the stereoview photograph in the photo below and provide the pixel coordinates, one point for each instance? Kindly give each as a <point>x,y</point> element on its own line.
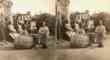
<point>54,29</point>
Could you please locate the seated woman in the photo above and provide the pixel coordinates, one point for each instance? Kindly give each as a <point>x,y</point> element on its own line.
<point>12,31</point>
<point>69,32</point>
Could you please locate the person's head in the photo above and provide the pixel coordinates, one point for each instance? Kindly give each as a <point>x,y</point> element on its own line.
<point>43,23</point>
<point>100,22</point>
<point>33,23</point>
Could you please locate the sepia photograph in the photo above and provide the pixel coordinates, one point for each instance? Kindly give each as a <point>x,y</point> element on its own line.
<point>54,29</point>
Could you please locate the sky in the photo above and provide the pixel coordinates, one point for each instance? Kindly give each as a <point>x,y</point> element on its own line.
<point>35,6</point>
<point>41,6</point>
<point>91,5</point>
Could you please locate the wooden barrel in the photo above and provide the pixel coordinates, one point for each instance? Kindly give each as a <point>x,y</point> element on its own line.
<point>79,41</point>
<point>92,37</point>
<point>23,41</point>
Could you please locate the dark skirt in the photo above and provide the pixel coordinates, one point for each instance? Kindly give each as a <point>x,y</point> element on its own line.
<point>100,38</point>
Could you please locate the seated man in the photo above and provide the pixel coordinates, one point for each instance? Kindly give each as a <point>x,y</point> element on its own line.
<point>34,32</point>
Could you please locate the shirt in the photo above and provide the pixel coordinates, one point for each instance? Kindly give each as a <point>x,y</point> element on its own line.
<point>100,29</point>
<point>44,30</point>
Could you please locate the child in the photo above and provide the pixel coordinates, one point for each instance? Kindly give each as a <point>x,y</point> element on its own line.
<point>100,31</point>
<point>44,31</point>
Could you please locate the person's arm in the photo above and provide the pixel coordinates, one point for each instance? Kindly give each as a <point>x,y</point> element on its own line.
<point>104,33</point>
<point>40,30</point>
<point>96,30</point>
<point>48,31</point>
<point>11,28</point>
<point>68,27</point>
<point>104,30</point>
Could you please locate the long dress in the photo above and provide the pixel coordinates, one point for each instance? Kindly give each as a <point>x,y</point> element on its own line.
<point>44,31</point>
<point>100,31</point>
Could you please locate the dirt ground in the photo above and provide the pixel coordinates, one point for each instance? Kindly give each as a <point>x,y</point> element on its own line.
<point>91,53</point>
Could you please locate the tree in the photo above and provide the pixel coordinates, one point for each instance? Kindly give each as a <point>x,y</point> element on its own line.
<point>105,17</point>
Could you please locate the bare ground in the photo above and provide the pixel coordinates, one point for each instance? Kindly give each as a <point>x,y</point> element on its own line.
<point>91,53</point>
